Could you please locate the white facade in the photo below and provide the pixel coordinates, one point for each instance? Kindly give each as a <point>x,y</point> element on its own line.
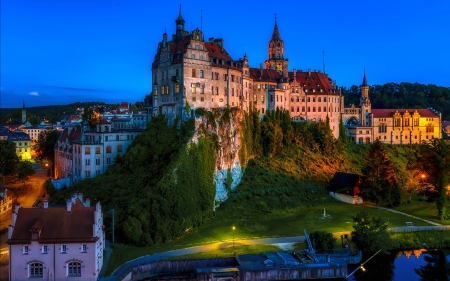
<point>38,253</point>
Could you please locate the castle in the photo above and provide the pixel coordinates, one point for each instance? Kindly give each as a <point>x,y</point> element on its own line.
<point>189,72</point>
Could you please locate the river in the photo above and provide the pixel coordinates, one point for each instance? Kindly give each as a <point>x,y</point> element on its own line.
<point>407,265</point>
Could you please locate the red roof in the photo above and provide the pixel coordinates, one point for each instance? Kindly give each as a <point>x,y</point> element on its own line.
<point>215,51</point>
<point>270,75</point>
<point>103,121</point>
<point>56,225</point>
<point>389,112</point>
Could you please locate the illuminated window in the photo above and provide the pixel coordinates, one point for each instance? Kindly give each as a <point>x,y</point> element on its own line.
<point>193,72</point>
<point>97,150</point>
<point>87,150</point>
<point>119,148</point>
<point>193,88</point>
<point>108,149</point>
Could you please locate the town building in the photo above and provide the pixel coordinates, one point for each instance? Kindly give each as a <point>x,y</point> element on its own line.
<point>189,72</point>
<point>21,140</point>
<point>83,152</point>
<point>391,126</point>
<point>57,243</point>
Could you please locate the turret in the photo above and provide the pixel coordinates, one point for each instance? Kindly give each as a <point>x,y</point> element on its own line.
<point>180,26</point>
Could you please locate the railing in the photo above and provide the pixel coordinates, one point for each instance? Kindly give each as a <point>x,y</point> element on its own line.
<point>420,228</point>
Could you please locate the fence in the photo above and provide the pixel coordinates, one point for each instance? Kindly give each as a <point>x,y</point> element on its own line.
<point>419,228</point>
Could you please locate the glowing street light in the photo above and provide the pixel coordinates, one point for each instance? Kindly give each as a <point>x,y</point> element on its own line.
<point>233,235</point>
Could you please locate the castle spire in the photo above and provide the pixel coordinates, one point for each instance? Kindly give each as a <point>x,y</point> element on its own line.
<point>364,83</point>
<point>180,26</point>
<point>276,33</point>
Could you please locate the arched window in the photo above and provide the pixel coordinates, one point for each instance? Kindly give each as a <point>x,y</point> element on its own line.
<point>36,270</point>
<point>361,140</point>
<point>108,149</point>
<point>87,150</point>
<point>74,269</point>
<point>119,148</point>
<point>367,140</point>
<point>97,150</point>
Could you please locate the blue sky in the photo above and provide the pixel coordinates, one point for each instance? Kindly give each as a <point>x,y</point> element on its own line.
<point>62,51</point>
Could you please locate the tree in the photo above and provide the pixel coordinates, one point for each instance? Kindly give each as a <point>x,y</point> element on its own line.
<point>380,181</point>
<point>434,159</point>
<point>45,145</point>
<point>370,234</point>
<point>8,158</point>
<point>90,116</point>
<point>323,240</point>
<point>24,170</point>
<point>133,108</point>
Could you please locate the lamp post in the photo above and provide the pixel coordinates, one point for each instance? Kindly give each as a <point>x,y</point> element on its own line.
<point>423,176</point>
<point>233,235</point>
<point>362,265</point>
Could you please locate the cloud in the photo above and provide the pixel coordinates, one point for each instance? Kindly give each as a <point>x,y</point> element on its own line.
<point>34,94</point>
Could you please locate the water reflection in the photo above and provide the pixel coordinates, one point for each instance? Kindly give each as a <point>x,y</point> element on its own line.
<point>437,267</point>
<point>411,265</point>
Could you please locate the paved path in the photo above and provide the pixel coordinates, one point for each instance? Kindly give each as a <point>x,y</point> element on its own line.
<point>408,215</point>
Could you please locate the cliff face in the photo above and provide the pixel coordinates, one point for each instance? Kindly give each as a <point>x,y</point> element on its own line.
<point>223,127</point>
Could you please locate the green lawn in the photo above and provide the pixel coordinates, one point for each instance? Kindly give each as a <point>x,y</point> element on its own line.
<point>256,225</point>
<point>423,209</point>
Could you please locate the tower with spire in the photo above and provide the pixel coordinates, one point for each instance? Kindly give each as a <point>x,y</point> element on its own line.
<point>24,112</point>
<point>276,58</point>
<point>366,107</point>
<point>180,26</point>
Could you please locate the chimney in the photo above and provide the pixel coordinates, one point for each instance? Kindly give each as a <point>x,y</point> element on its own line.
<point>295,74</point>
<point>87,203</point>
<point>74,198</point>
<point>260,68</point>
<point>69,205</point>
<point>309,72</point>
<point>10,231</point>
<point>45,204</point>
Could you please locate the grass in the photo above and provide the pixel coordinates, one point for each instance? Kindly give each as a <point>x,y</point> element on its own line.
<point>230,251</point>
<point>423,209</point>
<point>276,224</point>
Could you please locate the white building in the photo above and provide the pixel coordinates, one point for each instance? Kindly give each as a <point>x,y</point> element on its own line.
<point>84,153</point>
<point>57,243</point>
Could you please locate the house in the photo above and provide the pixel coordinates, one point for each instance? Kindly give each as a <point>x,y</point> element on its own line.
<point>345,183</point>
<point>6,199</point>
<point>23,144</point>
<point>57,243</point>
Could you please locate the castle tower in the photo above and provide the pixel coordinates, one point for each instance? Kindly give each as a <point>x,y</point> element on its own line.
<point>276,58</point>
<point>180,26</point>
<point>366,107</point>
<point>24,113</point>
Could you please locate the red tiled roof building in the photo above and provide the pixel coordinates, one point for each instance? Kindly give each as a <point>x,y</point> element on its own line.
<point>57,243</point>
<point>189,70</point>
<point>392,126</point>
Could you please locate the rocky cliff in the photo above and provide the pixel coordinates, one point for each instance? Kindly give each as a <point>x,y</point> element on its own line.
<point>223,128</point>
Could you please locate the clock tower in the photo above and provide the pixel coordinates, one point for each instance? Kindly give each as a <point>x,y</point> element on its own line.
<point>276,58</point>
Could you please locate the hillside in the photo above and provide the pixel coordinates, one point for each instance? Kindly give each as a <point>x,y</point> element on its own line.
<point>165,184</point>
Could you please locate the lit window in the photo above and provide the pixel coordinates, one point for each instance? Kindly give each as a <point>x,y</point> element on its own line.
<point>87,150</point>
<point>119,148</point>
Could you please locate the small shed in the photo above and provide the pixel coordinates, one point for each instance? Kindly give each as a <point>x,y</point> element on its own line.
<point>345,183</point>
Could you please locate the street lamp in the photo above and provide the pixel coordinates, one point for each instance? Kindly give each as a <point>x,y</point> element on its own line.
<point>233,235</point>
<point>362,265</point>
